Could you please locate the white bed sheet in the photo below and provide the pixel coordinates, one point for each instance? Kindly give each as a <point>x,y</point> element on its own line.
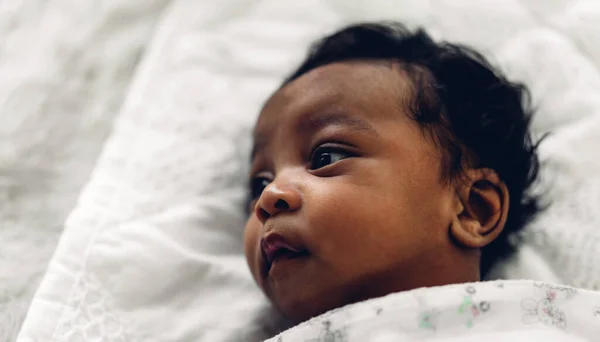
<point>153,250</point>
<point>65,67</point>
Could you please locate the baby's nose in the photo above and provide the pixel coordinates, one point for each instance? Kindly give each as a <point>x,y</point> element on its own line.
<point>276,199</point>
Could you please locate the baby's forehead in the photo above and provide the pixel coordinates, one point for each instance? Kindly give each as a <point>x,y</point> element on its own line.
<point>353,87</point>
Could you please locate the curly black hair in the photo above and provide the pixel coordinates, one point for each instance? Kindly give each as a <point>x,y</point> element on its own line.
<point>475,115</point>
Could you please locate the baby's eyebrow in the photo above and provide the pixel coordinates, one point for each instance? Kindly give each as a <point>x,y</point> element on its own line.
<point>313,123</point>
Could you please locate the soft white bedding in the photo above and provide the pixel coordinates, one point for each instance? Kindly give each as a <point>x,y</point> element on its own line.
<point>514,310</point>
<point>65,67</point>
<point>152,252</point>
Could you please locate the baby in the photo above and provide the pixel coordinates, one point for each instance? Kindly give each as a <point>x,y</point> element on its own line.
<point>386,162</point>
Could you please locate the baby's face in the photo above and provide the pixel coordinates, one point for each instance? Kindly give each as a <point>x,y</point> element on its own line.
<point>349,203</point>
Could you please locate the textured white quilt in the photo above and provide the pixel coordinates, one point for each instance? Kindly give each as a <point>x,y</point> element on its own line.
<point>152,252</point>
<point>65,67</point>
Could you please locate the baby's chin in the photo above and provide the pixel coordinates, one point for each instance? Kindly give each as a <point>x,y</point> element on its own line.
<point>299,310</point>
<point>305,302</point>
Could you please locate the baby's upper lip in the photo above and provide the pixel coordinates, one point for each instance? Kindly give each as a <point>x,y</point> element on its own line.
<point>273,245</point>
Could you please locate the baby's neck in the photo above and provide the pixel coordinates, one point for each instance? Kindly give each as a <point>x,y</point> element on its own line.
<point>455,268</point>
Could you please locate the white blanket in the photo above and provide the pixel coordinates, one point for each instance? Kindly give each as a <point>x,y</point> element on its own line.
<point>153,250</point>
<point>489,311</point>
<point>65,67</point>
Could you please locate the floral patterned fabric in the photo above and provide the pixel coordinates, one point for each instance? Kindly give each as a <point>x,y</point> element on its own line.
<point>501,310</point>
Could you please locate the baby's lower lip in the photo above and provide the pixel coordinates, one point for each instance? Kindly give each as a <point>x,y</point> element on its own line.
<point>284,261</point>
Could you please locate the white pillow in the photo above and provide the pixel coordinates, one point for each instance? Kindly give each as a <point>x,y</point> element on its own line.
<point>153,251</point>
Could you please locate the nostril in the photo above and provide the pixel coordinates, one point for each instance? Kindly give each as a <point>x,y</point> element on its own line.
<point>264,214</point>
<point>281,205</point>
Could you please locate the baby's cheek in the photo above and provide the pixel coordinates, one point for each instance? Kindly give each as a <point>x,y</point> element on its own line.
<point>345,221</point>
<point>250,244</point>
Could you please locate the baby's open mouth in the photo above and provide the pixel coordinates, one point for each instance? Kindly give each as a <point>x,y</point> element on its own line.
<point>275,248</point>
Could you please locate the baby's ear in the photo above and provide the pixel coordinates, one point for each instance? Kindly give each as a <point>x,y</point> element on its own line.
<point>481,209</point>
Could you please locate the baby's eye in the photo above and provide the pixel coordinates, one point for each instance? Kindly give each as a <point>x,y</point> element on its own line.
<point>327,155</point>
<point>257,186</point>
